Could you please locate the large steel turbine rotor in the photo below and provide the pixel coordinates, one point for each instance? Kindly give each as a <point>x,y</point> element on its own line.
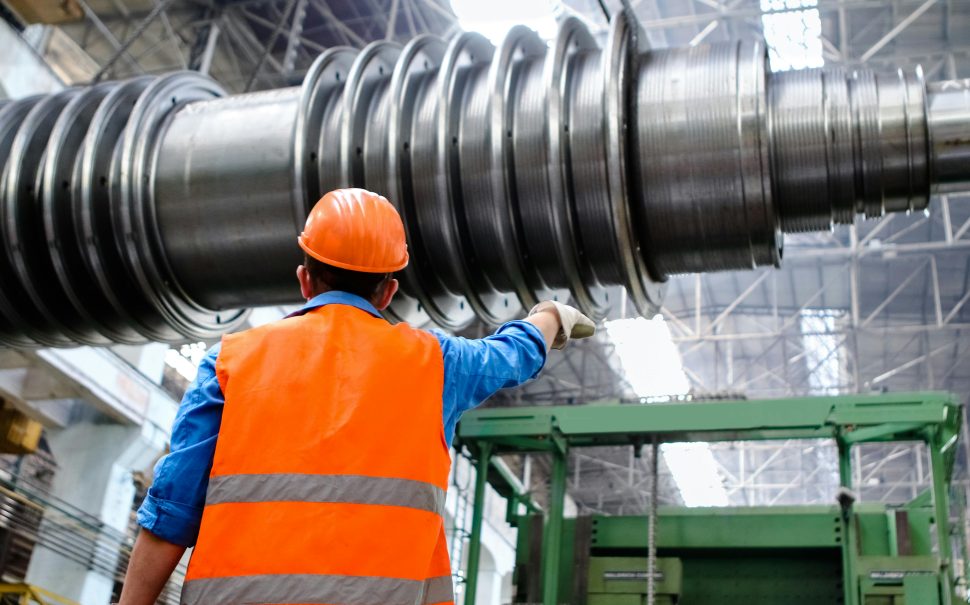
<point>155,209</point>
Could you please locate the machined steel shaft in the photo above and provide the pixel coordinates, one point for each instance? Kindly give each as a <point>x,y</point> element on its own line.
<point>159,209</point>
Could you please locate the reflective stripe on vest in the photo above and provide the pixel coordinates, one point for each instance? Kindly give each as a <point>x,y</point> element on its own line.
<point>302,588</point>
<point>348,489</point>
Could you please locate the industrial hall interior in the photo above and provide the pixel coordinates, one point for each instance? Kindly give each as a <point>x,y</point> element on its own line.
<point>484,302</point>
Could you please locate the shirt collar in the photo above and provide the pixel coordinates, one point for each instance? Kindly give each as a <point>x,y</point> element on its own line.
<point>336,297</point>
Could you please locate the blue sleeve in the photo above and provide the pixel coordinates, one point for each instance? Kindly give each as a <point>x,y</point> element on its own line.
<point>476,369</point>
<point>172,510</point>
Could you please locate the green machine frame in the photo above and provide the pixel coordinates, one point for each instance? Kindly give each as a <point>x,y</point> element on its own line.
<point>931,418</point>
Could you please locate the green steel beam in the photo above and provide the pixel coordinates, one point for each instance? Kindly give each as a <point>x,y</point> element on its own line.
<point>475,539</point>
<point>941,506</point>
<point>808,527</point>
<point>850,538</point>
<point>552,532</point>
<point>890,417</point>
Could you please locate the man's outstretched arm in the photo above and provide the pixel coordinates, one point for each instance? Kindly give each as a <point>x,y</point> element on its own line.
<point>514,354</point>
<point>152,562</point>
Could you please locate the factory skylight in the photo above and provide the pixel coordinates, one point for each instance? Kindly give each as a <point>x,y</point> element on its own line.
<point>648,356</point>
<point>793,32</point>
<point>695,473</point>
<point>495,18</point>
<point>823,351</point>
<point>652,366</point>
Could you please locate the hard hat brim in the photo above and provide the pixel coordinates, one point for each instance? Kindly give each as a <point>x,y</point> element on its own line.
<point>348,266</point>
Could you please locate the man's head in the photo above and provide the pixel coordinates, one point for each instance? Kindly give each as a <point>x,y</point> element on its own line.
<point>354,242</point>
<point>316,278</point>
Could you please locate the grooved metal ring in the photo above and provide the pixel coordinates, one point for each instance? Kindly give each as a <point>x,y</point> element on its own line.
<point>528,181</point>
<point>868,162</point>
<point>426,215</point>
<point>12,322</point>
<point>144,255</point>
<point>420,57</point>
<point>60,176</point>
<point>466,49</point>
<point>841,194</point>
<point>126,308</point>
<point>381,171</point>
<point>520,44</point>
<point>647,295</point>
<point>920,139</point>
<point>764,230</point>
<point>373,62</point>
<point>320,84</point>
<point>19,214</point>
<point>573,37</point>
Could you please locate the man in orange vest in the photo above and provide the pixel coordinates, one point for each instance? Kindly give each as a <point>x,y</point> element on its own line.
<point>309,458</point>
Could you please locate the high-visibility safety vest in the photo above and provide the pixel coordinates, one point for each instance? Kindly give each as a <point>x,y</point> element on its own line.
<point>330,470</point>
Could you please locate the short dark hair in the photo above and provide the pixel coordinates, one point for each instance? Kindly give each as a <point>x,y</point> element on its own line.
<point>365,285</point>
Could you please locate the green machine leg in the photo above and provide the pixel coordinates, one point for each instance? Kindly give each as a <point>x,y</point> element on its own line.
<point>478,511</point>
<point>850,580</point>
<point>552,532</point>
<point>941,505</point>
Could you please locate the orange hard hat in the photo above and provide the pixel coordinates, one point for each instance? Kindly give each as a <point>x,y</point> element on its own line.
<point>356,229</point>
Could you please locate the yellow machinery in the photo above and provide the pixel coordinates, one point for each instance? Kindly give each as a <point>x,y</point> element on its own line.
<point>32,594</point>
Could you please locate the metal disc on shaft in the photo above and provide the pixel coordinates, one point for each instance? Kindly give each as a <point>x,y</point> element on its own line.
<point>22,231</point>
<point>622,48</point>
<point>12,322</point>
<point>322,83</point>
<point>427,300</point>
<point>144,256</point>
<point>72,302</point>
<point>118,302</point>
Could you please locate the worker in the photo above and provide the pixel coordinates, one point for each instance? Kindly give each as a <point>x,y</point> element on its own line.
<point>310,457</point>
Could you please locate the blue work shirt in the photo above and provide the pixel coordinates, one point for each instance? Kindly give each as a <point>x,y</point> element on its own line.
<point>474,371</point>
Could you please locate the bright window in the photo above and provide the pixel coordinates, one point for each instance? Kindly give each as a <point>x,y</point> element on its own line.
<point>495,18</point>
<point>793,32</point>
<point>651,364</point>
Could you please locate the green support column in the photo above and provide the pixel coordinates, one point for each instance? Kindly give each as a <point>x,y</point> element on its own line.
<point>552,531</point>
<point>478,512</point>
<point>941,507</point>
<point>850,579</point>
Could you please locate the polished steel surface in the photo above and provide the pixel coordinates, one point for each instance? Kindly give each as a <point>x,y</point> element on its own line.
<point>236,183</point>
<point>846,143</point>
<point>949,126</point>
<point>156,209</point>
<point>706,201</point>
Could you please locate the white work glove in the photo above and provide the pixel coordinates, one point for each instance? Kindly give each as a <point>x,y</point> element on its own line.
<point>574,323</point>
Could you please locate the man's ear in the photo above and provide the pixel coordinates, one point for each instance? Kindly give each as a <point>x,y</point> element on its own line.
<point>386,294</point>
<point>306,282</point>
